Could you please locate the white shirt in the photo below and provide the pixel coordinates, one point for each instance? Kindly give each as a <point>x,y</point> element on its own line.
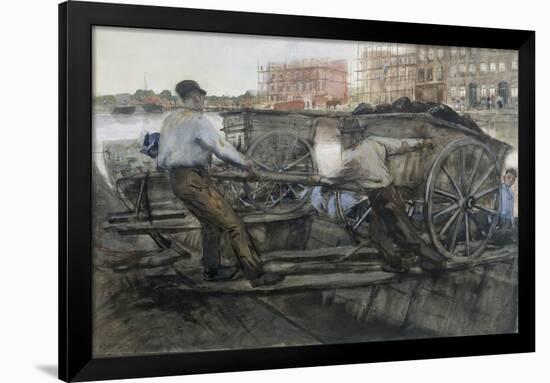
<point>189,138</point>
<point>365,163</point>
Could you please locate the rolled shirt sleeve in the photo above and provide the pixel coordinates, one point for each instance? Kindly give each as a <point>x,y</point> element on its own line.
<point>395,145</point>
<point>209,139</point>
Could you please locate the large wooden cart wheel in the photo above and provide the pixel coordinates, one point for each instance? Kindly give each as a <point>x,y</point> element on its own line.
<point>462,199</point>
<point>354,210</point>
<point>284,152</point>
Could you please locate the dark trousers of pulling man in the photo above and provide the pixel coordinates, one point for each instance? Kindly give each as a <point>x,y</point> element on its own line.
<point>390,226</point>
<point>194,187</point>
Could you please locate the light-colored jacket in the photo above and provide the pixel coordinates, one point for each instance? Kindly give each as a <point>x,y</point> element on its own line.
<point>189,139</point>
<point>366,162</point>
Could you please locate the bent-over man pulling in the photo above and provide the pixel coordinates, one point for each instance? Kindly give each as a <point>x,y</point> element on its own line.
<point>188,140</point>
<point>365,164</point>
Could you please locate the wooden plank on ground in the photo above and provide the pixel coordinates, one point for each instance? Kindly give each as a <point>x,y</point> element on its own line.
<point>177,222</point>
<point>308,273</point>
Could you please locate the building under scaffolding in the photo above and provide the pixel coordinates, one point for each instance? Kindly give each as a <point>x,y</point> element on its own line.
<point>459,76</point>
<point>317,83</point>
<point>385,72</point>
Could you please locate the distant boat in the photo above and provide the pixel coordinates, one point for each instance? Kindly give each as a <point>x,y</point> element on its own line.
<point>153,108</point>
<point>124,109</point>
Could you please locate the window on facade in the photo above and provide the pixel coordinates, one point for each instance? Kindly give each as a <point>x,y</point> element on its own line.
<point>462,52</point>
<point>501,67</point>
<point>453,71</point>
<point>454,52</point>
<point>484,91</point>
<point>411,73</point>
<point>493,67</point>
<point>462,68</point>
<point>472,68</point>
<point>420,75</point>
<point>515,65</point>
<point>422,54</point>
<point>492,91</point>
<point>281,76</point>
<point>429,74</point>
<point>514,91</point>
<point>431,54</point>
<point>440,53</point>
<point>453,92</point>
<point>483,67</point>
<point>439,74</point>
<point>462,92</point>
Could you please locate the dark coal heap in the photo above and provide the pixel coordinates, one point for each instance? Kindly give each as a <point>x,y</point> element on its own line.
<point>405,105</point>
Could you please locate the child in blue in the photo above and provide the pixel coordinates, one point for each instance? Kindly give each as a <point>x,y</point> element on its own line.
<point>506,212</point>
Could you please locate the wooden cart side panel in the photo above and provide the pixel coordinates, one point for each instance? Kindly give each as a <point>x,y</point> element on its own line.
<point>242,129</point>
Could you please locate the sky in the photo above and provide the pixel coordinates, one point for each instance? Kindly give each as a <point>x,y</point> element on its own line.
<point>223,64</point>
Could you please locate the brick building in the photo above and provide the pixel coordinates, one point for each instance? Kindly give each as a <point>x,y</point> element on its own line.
<point>316,82</point>
<point>468,77</point>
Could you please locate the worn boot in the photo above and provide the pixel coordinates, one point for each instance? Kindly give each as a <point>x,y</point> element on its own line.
<point>222,273</point>
<point>266,279</point>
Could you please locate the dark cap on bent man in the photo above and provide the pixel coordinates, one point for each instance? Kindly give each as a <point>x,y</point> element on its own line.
<point>183,88</point>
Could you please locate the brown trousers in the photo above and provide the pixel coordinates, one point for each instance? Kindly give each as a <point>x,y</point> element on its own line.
<point>390,225</point>
<point>201,196</point>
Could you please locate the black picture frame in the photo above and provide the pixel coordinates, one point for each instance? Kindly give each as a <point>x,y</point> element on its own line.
<point>75,184</point>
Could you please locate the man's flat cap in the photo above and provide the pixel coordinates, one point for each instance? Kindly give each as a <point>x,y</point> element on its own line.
<point>183,88</point>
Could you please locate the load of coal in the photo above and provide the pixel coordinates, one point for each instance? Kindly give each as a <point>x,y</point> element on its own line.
<point>405,105</point>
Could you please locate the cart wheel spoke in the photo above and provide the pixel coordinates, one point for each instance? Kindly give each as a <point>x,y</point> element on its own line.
<point>463,166</point>
<point>269,194</point>
<point>289,153</point>
<point>483,178</point>
<point>447,194</point>
<point>449,222</point>
<point>261,165</point>
<point>477,161</point>
<point>445,211</point>
<point>484,193</point>
<point>456,228</point>
<point>269,154</point>
<point>467,233</point>
<point>294,163</point>
<point>452,181</point>
<point>266,184</point>
<point>296,194</point>
<point>362,219</point>
<point>485,209</point>
<point>359,202</point>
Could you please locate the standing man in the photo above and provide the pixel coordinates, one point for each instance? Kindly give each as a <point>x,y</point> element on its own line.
<point>187,142</point>
<point>365,164</point>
